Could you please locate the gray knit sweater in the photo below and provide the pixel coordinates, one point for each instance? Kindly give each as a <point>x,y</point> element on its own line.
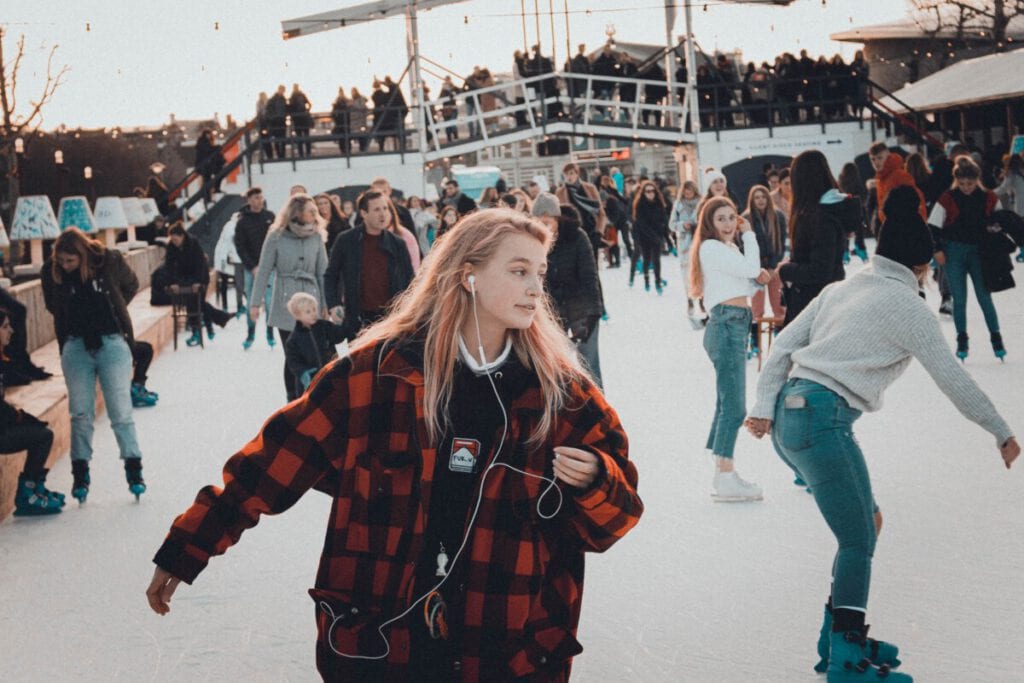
<point>858,336</point>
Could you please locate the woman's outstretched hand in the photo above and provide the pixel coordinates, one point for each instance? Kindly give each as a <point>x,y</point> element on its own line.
<point>576,467</point>
<point>758,426</point>
<point>1010,450</point>
<point>160,590</point>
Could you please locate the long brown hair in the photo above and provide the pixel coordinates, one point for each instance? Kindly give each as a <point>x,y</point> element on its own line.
<point>76,243</point>
<point>705,231</point>
<point>771,217</point>
<point>638,196</point>
<point>436,304</point>
<point>810,177</point>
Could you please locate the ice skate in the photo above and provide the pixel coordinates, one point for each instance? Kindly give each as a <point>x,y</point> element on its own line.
<point>80,486</point>
<point>946,307</point>
<point>249,341</point>
<point>849,661</point>
<point>142,398</point>
<point>860,253</point>
<point>133,473</point>
<point>878,651</point>
<point>962,346</point>
<point>31,499</point>
<point>997,346</point>
<point>730,487</point>
<point>271,342</point>
<point>196,338</point>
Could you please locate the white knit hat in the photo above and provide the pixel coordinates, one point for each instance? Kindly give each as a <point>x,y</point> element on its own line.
<point>711,176</point>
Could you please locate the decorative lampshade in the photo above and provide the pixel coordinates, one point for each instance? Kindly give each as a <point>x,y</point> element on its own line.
<point>149,208</point>
<point>133,210</point>
<point>4,242</point>
<point>110,214</point>
<point>34,219</point>
<point>75,212</point>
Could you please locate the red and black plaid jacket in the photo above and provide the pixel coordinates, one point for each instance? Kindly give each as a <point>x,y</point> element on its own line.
<point>359,434</point>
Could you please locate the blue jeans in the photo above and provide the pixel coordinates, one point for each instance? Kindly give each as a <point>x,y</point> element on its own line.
<point>112,365</point>
<point>591,358</point>
<point>963,260</point>
<point>725,340</point>
<point>813,434</point>
<point>249,280</point>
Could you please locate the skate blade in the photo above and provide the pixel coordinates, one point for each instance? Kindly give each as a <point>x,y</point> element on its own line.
<point>735,499</point>
<point>696,323</point>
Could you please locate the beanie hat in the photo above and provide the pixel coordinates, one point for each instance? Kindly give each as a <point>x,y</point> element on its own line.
<point>569,217</point>
<point>904,237</point>
<point>711,176</point>
<point>546,204</point>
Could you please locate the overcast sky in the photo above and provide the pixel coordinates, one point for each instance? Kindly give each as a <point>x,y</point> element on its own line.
<point>133,61</point>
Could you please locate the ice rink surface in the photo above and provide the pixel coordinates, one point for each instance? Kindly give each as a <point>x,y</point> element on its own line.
<point>697,592</point>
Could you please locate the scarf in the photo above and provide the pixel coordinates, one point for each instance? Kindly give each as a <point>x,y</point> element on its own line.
<point>586,205</point>
<point>302,230</point>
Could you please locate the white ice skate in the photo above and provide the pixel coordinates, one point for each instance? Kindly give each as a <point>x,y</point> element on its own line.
<point>730,487</point>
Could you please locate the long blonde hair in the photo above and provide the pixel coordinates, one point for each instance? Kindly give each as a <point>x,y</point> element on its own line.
<point>76,243</point>
<point>771,217</point>
<point>705,231</point>
<point>292,211</point>
<point>436,304</point>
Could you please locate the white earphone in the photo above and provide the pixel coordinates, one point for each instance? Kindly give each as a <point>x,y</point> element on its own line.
<point>472,284</point>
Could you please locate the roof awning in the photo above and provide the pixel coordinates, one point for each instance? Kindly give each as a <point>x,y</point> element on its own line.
<point>357,14</point>
<point>970,82</point>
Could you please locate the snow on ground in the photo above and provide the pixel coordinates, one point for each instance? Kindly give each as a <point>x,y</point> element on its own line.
<point>697,592</point>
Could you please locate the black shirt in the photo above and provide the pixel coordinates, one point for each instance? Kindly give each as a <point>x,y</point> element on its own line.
<point>91,315</point>
<point>970,224</point>
<point>475,418</point>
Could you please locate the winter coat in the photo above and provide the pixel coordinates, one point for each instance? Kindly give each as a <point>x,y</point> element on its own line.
<point>770,255</point>
<point>650,222</point>
<point>1013,187</point>
<point>358,113</point>
<point>250,233</point>
<point>359,435</point>
<point>590,190</point>
<point>298,265</point>
<point>277,110</point>
<point>186,265</point>
<point>818,260</point>
<point>9,415</point>
<point>225,254</point>
<point>462,202</point>
<point>299,108</point>
<point>112,276</point>
<point>311,348</point>
<point>572,282</point>
<point>342,280</point>
<point>893,175</point>
<point>1004,234</point>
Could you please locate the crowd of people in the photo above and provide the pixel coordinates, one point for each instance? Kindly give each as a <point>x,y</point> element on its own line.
<point>790,89</point>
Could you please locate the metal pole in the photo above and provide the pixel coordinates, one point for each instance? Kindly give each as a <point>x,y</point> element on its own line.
<point>536,15</point>
<point>670,62</point>
<point>568,43</point>
<point>413,47</point>
<point>691,81</point>
<point>551,17</point>
<point>522,14</point>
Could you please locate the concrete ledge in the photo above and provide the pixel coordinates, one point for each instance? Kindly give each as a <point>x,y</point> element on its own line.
<point>48,400</point>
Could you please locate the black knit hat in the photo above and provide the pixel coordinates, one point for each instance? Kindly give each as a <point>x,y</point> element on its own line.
<point>904,237</point>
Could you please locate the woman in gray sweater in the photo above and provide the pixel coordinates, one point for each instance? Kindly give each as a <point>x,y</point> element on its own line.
<point>833,362</point>
<point>295,257</point>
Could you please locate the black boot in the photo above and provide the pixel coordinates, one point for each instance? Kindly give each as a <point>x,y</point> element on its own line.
<point>80,487</point>
<point>962,346</point>
<point>997,346</point>
<point>133,473</point>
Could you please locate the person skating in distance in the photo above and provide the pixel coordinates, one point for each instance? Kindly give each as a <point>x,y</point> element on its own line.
<point>472,462</point>
<point>829,365</point>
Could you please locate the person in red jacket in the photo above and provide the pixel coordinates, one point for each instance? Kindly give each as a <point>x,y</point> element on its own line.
<point>472,462</point>
<point>890,172</point>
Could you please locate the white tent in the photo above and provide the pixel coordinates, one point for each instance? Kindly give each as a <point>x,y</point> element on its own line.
<point>972,81</point>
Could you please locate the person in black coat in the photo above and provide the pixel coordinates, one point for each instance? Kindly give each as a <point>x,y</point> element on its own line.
<point>209,162</point>
<point>655,92</point>
<point>358,296</point>
<point>821,220</point>
<point>650,232</point>
<point>185,265</point>
<point>341,125</point>
<point>254,221</point>
<point>299,108</point>
<point>276,115</point>
<point>311,344</point>
<point>20,431</point>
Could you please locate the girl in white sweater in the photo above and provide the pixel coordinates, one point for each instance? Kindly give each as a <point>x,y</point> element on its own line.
<point>726,278</point>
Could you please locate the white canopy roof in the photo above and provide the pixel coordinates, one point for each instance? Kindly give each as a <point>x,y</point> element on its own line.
<point>972,81</point>
<point>361,13</point>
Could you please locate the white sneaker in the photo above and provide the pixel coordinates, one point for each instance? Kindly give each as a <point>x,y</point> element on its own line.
<point>729,487</point>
